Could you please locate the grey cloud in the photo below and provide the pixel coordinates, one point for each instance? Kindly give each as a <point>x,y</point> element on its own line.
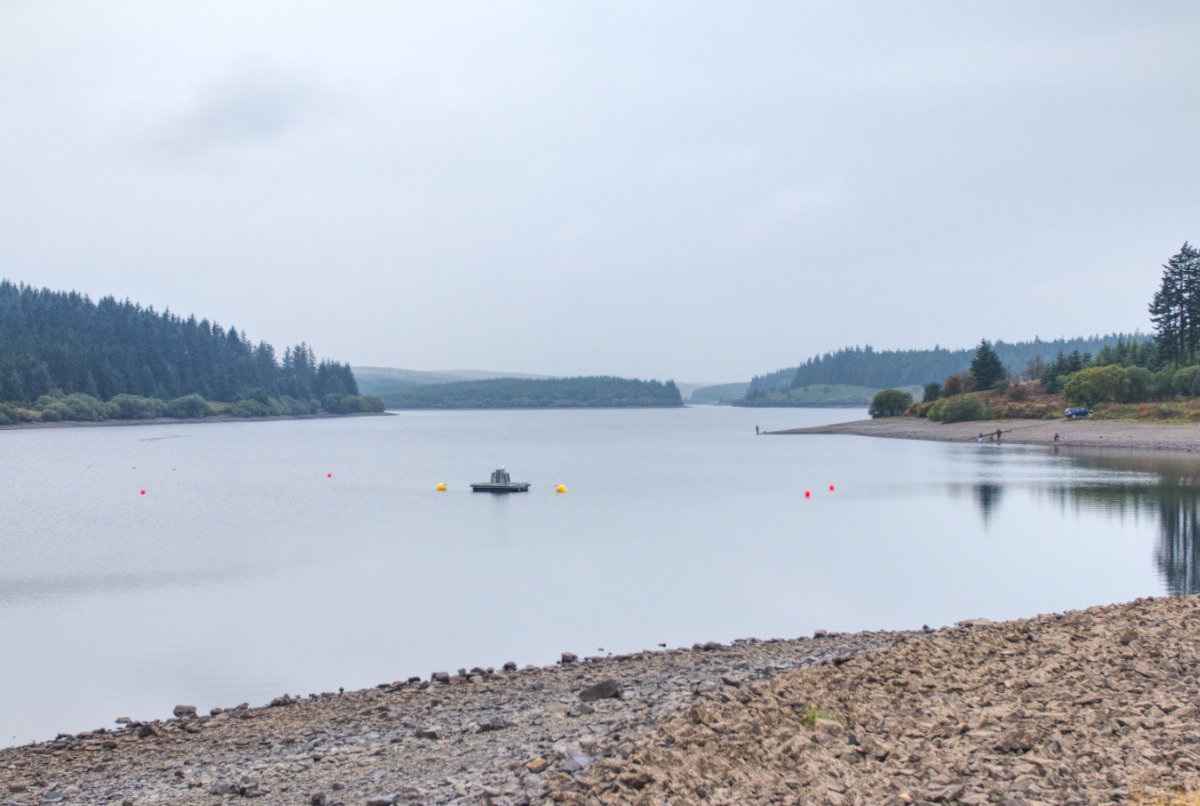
<point>249,107</point>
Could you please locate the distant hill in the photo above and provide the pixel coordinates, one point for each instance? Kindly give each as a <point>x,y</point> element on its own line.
<point>818,394</point>
<point>377,378</point>
<point>524,393</point>
<point>866,367</point>
<point>718,393</point>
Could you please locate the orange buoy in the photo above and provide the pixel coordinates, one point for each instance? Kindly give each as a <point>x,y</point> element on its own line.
<point>441,487</point>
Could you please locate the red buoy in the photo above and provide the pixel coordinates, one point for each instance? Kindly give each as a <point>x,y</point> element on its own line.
<point>143,492</point>
<point>830,488</point>
<point>807,494</point>
<point>328,475</point>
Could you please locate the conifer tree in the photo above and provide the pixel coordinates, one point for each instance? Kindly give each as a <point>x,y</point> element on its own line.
<point>1175,309</point>
<point>986,368</point>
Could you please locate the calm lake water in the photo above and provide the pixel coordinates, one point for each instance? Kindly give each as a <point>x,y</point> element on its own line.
<point>300,556</point>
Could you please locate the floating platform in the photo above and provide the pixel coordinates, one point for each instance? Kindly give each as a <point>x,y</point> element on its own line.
<point>500,483</point>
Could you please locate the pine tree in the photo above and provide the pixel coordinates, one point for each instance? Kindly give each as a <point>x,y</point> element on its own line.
<point>986,368</point>
<point>1175,309</point>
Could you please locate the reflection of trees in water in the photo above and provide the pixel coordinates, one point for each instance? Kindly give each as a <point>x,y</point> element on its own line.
<point>988,497</point>
<point>1173,497</point>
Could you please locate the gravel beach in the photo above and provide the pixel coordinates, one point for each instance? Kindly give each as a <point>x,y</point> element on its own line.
<point>1087,707</point>
<point>1078,433</point>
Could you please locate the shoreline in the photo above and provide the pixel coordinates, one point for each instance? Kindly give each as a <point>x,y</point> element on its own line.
<point>1087,706</point>
<point>185,421</point>
<point>1122,434</point>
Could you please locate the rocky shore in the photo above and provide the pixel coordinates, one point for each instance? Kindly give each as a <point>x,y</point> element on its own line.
<point>1088,707</point>
<point>1123,434</point>
<point>504,736</point>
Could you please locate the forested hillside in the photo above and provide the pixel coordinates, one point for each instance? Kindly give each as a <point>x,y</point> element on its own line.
<point>56,345</point>
<point>863,366</point>
<point>521,393</point>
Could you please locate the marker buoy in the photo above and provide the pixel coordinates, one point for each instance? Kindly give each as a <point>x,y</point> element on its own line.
<point>830,488</point>
<point>143,492</point>
<point>442,486</point>
<point>328,475</point>
<point>808,493</point>
<point>562,488</point>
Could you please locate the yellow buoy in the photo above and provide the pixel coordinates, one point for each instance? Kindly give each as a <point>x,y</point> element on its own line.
<point>442,486</point>
<point>562,488</point>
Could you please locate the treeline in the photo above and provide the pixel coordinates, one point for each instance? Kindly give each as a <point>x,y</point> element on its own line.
<point>824,394</point>
<point>524,393</point>
<point>62,341</point>
<point>865,366</point>
<point>57,407</point>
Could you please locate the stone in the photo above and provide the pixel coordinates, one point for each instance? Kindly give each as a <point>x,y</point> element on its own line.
<point>510,666</point>
<point>146,731</point>
<point>828,727</point>
<point>428,733</point>
<point>494,723</point>
<point>537,765</point>
<point>318,799</point>
<point>285,700</point>
<point>557,709</point>
<point>184,710</point>
<point>381,800</point>
<point>124,720</point>
<point>569,657</point>
<point>603,690</point>
<point>576,761</point>
<point>221,788</point>
<point>440,677</point>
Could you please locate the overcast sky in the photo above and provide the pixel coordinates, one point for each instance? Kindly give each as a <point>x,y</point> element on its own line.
<point>691,190</point>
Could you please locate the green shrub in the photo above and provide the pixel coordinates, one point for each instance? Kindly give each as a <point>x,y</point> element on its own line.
<point>931,392</point>
<point>959,408</point>
<point>53,411</point>
<point>296,407</point>
<point>1184,380</point>
<point>133,407</point>
<point>1160,384</point>
<point>1095,385</point>
<point>890,403</point>
<point>85,407</point>
<point>1139,385</point>
<point>189,407</point>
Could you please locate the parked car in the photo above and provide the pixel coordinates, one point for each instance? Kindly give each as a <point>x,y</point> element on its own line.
<point>1077,411</point>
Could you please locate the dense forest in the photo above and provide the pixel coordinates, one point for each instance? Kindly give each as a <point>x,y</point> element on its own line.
<point>58,346</point>
<point>864,366</point>
<point>523,393</point>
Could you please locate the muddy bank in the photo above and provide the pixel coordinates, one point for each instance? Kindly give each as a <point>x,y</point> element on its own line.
<point>1079,433</point>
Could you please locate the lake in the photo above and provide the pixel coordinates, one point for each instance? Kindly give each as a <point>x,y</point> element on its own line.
<point>306,555</point>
